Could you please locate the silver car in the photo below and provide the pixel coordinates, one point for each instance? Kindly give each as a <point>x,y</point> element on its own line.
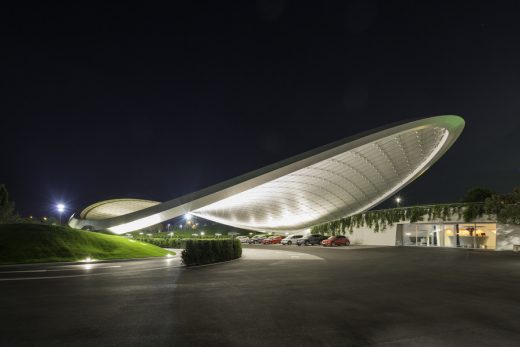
<point>289,240</point>
<point>243,239</point>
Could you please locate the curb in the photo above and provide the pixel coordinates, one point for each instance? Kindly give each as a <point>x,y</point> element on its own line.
<point>204,265</point>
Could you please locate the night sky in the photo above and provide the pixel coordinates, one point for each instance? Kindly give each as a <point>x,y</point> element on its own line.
<point>156,102</point>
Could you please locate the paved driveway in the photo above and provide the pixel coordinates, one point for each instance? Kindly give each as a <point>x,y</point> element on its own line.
<point>274,296</point>
<point>313,296</point>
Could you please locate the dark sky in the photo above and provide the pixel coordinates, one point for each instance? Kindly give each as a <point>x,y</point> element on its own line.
<point>155,102</point>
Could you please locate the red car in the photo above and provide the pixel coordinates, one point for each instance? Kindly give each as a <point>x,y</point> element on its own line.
<point>271,240</point>
<point>339,240</point>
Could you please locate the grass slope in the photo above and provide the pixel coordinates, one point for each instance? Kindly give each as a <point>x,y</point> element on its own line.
<point>35,243</point>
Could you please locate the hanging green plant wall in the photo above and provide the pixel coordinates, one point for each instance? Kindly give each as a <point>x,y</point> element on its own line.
<point>379,220</point>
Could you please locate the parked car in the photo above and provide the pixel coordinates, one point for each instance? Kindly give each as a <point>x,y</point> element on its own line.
<point>243,239</point>
<point>257,239</point>
<point>339,240</point>
<point>309,240</point>
<point>289,240</point>
<point>271,240</point>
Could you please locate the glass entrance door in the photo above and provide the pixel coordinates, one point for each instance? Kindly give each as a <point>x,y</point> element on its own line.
<point>433,237</point>
<point>424,235</point>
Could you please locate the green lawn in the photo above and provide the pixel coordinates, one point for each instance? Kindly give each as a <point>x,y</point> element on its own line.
<point>35,243</point>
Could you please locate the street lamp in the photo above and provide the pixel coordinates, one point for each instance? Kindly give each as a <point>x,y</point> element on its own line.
<point>61,208</point>
<point>398,201</point>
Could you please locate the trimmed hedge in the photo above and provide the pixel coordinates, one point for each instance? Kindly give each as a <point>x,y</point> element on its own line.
<point>163,242</point>
<point>200,252</point>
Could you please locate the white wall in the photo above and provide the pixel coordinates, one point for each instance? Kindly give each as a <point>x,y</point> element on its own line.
<point>507,236</point>
<point>367,236</point>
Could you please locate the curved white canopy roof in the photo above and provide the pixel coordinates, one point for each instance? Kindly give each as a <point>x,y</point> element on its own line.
<point>115,207</point>
<point>343,178</point>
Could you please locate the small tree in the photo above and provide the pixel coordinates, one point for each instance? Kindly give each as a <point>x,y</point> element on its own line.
<point>506,207</point>
<point>477,194</point>
<point>6,207</point>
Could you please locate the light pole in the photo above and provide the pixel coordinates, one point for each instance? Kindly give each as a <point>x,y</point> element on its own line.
<point>398,201</point>
<point>61,208</point>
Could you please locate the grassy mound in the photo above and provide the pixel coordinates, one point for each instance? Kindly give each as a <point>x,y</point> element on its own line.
<point>35,243</point>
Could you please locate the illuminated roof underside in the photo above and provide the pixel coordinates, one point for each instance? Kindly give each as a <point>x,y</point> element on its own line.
<point>341,179</point>
<point>116,207</point>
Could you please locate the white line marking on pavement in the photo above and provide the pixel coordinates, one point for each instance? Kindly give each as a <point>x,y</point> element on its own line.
<point>19,271</point>
<point>58,270</point>
<point>91,267</point>
<point>85,275</point>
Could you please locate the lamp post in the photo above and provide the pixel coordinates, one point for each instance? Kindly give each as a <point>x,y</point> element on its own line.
<point>398,201</point>
<point>61,208</point>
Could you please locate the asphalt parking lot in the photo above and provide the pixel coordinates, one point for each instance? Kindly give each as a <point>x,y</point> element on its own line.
<point>273,296</point>
<point>349,296</point>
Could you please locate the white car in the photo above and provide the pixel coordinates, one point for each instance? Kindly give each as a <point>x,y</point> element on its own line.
<point>243,239</point>
<point>289,240</point>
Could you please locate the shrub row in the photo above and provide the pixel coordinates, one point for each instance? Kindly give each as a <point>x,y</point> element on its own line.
<point>164,243</point>
<point>200,252</point>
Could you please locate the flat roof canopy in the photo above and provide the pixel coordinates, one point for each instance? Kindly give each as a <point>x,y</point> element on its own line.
<point>340,179</point>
